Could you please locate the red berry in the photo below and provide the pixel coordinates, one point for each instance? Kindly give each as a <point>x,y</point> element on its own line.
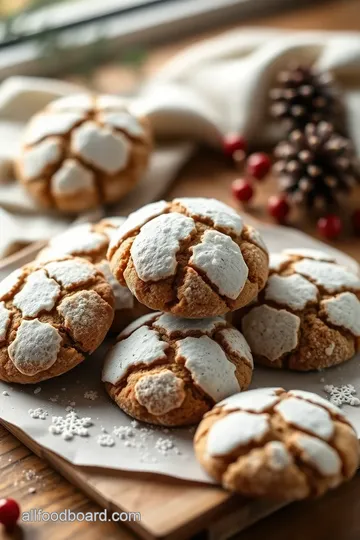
<point>356,221</point>
<point>9,512</point>
<point>233,142</point>
<point>258,165</point>
<point>242,190</point>
<point>278,207</point>
<point>330,226</point>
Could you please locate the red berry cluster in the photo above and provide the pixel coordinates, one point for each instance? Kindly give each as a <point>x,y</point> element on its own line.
<point>256,168</point>
<point>9,513</point>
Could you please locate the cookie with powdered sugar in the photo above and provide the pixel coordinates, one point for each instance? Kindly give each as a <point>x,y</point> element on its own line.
<point>82,151</point>
<point>192,257</point>
<point>51,314</point>
<point>308,315</point>
<point>168,370</point>
<point>277,444</point>
<point>91,241</point>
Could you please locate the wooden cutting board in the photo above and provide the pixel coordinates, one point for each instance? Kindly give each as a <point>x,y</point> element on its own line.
<point>170,509</point>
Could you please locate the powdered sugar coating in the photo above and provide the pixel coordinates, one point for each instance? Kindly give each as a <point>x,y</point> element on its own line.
<point>332,277</point>
<point>256,238</point>
<point>148,318</point>
<point>270,332</point>
<point>41,156</point>
<point>160,393</point>
<point>175,325</point>
<point>72,177</point>
<point>156,261</point>
<point>277,260</point>
<point>123,120</point>
<point>344,310</point>
<point>38,294</point>
<point>237,344</point>
<point>209,367</point>
<point>308,253</point>
<point>10,283</point>
<point>220,258</point>
<point>279,457</point>
<point>258,400</point>
<point>235,430</point>
<point>318,400</point>
<point>101,147</point>
<point>220,214</point>
<point>5,318</point>
<point>142,347</point>
<point>123,297</point>
<point>136,220</point>
<point>76,102</point>
<point>293,291</point>
<point>78,239</point>
<point>71,272</point>
<point>319,454</point>
<point>109,102</point>
<point>306,416</point>
<point>44,125</point>
<point>35,347</point>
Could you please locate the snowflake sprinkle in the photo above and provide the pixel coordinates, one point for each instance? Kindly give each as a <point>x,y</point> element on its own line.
<point>342,394</point>
<point>69,426</point>
<point>105,440</point>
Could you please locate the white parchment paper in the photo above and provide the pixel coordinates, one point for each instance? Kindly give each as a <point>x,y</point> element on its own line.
<point>150,449</point>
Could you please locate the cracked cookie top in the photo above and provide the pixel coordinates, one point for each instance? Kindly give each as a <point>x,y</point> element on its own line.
<point>51,314</point>
<point>193,257</point>
<point>269,442</point>
<point>82,151</point>
<point>170,370</point>
<point>308,315</point>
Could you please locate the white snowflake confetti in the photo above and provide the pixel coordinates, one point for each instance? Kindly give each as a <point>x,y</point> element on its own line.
<point>340,395</point>
<point>123,432</point>
<point>5,393</point>
<point>38,414</point>
<point>91,394</point>
<point>105,440</point>
<point>70,426</point>
<point>37,390</point>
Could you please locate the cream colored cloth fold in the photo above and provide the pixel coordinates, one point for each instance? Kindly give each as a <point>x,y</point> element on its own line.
<point>217,86</point>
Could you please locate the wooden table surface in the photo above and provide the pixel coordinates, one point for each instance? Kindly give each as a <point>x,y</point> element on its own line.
<point>335,516</point>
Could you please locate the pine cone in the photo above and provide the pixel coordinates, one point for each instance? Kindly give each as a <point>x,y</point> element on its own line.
<point>316,165</point>
<point>305,96</point>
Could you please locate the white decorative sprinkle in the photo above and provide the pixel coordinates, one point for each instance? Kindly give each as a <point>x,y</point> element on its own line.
<point>258,400</point>
<point>270,332</point>
<point>5,393</point>
<point>137,219</point>
<point>179,325</point>
<point>342,395</point>
<point>44,125</point>
<point>209,366</point>
<point>256,238</point>
<point>31,490</point>
<point>37,390</point>
<point>221,259</point>
<point>160,393</point>
<point>71,178</point>
<point>123,432</point>
<point>105,440</point>
<point>71,272</point>
<point>142,347</point>
<point>91,394</point>
<point>307,253</point>
<point>237,344</point>
<point>164,445</point>
<point>235,430</point>
<point>5,318</point>
<point>293,291</point>
<point>35,347</point>
<point>123,297</point>
<point>38,294</point>
<point>319,454</point>
<point>332,277</point>
<point>35,160</point>
<point>70,426</point>
<point>306,416</point>
<point>106,150</point>
<point>154,249</point>
<point>10,283</point>
<point>38,414</point>
<point>344,310</point>
<point>277,260</point>
<point>219,213</point>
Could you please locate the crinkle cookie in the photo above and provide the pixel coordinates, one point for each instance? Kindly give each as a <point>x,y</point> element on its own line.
<point>82,151</point>
<point>51,314</point>
<point>168,370</point>
<point>277,444</point>
<point>192,257</point>
<point>308,315</point>
<point>91,242</point>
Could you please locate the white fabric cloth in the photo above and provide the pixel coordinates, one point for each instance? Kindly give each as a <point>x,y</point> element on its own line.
<point>212,88</point>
